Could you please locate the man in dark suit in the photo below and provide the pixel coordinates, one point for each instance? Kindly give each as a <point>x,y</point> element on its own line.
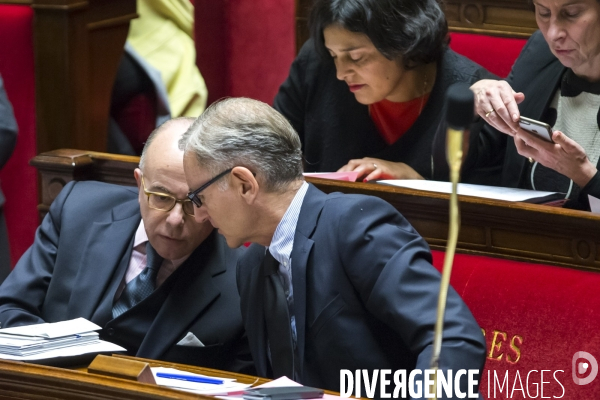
<point>8,140</point>
<point>355,279</point>
<point>101,245</point>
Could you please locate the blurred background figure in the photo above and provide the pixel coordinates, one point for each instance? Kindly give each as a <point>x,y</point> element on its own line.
<point>158,77</point>
<point>8,140</point>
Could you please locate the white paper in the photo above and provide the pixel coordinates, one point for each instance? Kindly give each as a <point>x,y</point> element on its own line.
<point>488,192</point>
<point>97,347</point>
<point>229,384</point>
<point>594,204</point>
<point>53,329</point>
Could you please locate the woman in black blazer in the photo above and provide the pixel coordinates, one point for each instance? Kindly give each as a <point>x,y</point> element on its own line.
<point>366,92</point>
<point>556,79</point>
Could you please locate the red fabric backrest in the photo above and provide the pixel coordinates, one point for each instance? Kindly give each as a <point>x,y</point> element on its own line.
<point>18,179</point>
<point>496,54</point>
<point>244,47</point>
<point>535,317</point>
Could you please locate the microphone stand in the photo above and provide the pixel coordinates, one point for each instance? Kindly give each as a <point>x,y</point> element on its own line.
<point>459,99</point>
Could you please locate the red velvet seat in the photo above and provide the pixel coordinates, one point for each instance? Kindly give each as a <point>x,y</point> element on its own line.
<point>18,179</point>
<point>535,317</point>
<point>497,54</point>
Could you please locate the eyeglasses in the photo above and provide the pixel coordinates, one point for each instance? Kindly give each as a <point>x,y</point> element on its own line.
<point>193,196</point>
<point>166,202</point>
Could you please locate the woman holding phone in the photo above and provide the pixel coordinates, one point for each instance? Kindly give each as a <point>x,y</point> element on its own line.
<point>366,92</point>
<point>555,80</point>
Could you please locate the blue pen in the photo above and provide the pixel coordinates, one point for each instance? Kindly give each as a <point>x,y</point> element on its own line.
<point>199,379</point>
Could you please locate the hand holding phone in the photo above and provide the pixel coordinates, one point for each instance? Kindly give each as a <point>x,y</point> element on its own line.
<point>538,128</point>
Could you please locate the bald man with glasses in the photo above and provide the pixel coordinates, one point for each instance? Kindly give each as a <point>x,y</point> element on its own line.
<point>134,261</point>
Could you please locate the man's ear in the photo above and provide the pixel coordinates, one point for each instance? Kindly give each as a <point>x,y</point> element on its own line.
<point>244,183</point>
<point>137,173</point>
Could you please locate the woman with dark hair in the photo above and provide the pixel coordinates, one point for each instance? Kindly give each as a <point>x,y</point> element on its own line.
<point>556,79</point>
<point>366,92</point>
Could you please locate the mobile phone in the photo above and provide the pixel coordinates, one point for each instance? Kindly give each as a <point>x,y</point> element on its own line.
<point>541,129</point>
<point>283,393</point>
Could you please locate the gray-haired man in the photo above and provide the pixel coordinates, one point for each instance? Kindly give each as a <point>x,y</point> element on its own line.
<point>345,281</point>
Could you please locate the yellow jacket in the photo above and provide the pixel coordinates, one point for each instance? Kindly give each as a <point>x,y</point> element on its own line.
<point>164,36</point>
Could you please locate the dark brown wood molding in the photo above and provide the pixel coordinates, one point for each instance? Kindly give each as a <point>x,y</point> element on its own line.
<point>511,18</point>
<point>20,2</point>
<point>516,231</point>
<point>60,7</point>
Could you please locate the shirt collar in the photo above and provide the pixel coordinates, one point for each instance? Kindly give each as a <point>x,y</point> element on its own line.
<point>283,238</point>
<point>140,236</point>
<point>139,244</point>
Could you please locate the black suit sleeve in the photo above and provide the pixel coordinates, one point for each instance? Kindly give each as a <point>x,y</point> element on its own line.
<point>291,99</point>
<point>23,292</point>
<point>389,264</point>
<point>8,127</point>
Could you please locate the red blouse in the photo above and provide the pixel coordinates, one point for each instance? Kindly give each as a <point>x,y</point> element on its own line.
<point>394,119</point>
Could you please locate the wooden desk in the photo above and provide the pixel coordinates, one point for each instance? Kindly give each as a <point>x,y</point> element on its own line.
<point>516,231</point>
<point>29,381</point>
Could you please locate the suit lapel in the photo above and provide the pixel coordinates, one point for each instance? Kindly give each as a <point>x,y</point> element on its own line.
<point>109,242</point>
<point>303,244</point>
<point>192,292</point>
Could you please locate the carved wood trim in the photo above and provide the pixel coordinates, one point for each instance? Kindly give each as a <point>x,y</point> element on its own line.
<point>511,18</point>
<point>516,231</point>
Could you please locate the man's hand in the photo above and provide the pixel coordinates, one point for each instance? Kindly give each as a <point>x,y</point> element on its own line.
<point>375,168</point>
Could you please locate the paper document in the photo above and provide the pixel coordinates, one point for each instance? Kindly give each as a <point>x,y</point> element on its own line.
<point>52,340</point>
<point>340,176</point>
<point>53,329</point>
<point>228,385</point>
<point>487,192</point>
<point>100,346</point>
<point>594,204</point>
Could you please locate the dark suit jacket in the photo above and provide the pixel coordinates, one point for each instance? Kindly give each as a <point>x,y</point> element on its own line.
<point>365,294</point>
<point>83,247</point>
<point>537,73</point>
<point>8,140</point>
<point>335,128</point>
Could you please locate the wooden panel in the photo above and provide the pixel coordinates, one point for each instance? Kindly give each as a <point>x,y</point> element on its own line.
<point>518,231</point>
<point>28,381</point>
<point>512,18</point>
<point>78,46</point>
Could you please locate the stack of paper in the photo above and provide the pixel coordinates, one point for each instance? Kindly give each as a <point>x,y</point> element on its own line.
<point>50,340</point>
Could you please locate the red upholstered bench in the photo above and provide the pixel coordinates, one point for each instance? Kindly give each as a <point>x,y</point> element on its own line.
<point>497,54</point>
<point>19,180</point>
<point>535,318</point>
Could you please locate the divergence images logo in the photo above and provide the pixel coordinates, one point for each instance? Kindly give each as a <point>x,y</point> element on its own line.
<point>580,368</point>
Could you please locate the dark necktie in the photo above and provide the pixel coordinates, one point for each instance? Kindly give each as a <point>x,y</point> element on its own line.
<point>141,286</point>
<point>277,318</point>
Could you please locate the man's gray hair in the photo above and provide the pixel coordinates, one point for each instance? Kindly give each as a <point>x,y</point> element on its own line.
<point>164,126</point>
<point>248,133</point>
